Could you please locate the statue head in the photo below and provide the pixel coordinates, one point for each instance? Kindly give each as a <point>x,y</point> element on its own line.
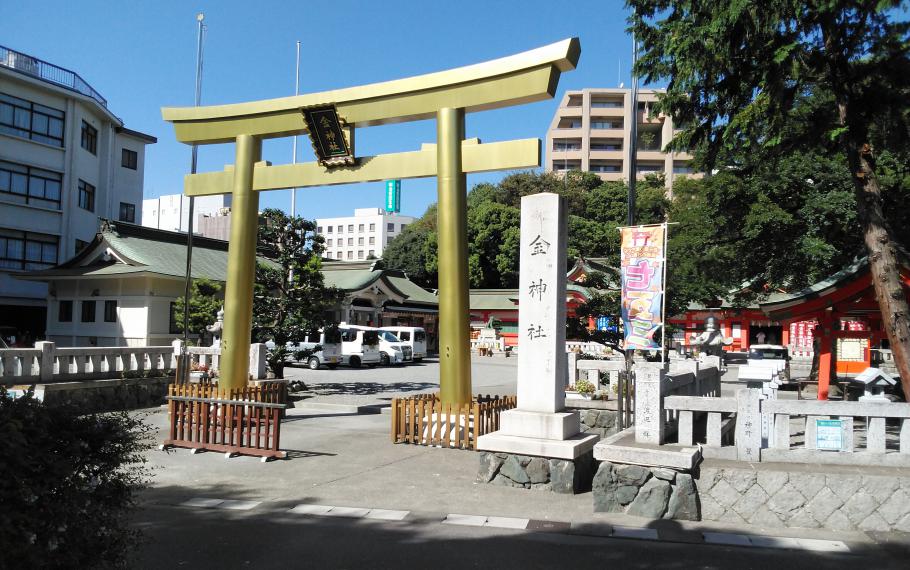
<point>711,324</point>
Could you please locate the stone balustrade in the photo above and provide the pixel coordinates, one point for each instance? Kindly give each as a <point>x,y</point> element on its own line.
<point>49,363</point>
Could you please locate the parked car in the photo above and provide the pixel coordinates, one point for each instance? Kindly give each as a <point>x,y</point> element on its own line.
<point>359,345</point>
<point>413,337</point>
<point>771,355</point>
<point>317,348</point>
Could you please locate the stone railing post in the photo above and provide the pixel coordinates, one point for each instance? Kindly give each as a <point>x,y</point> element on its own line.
<point>748,424</point>
<point>178,349</point>
<point>46,364</point>
<point>649,403</point>
<point>572,360</point>
<point>258,352</point>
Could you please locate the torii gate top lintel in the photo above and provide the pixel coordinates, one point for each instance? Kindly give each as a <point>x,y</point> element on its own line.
<point>521,78</point>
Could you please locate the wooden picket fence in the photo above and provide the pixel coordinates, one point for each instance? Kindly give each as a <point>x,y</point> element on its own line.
<point>246,421</point>
<point>424,420</point>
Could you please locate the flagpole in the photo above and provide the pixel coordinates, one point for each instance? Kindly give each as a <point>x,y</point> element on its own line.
<point>663,299</point>
<point>294,158</point>
<point>185,361</point>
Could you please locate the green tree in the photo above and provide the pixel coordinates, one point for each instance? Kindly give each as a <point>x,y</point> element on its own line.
<point>69,484</point>
<point>751,80</point>
<point>206,298</point>
<point>290,296</point>
<point>414,250</point>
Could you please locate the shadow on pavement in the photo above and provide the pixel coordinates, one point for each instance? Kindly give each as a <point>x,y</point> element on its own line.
<point>369,388</point>
<point>269,536</point>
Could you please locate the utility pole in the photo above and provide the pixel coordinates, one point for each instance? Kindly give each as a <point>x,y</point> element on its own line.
<point>633,137</point>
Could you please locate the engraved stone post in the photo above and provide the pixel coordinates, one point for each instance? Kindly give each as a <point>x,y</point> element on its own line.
<point>649,409</point>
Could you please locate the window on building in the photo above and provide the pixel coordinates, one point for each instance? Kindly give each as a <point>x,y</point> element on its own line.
<point>372,252</point>
<point>129,159</point>
<point>30,185</point>
<point>329,228</point>
<point>606,145</point>
<point>328,242</point>
<point>127,212</point>
<point>350,241</point>
<point>682,168</point>
<point>89,138</point>
<point>606,103</point>
<point>340,229</point>
<point>390,227</point>
<point>80,245</point>
<point>403,226</point>
<point>360,254</point>
<point>86,196</point>
<point>606,124</point>
<point>360,228</point>
<point>110,311</point>
<point>88,311</point>
<point>64,311</point>
<point>26,250</point>
<point>173,325</point>
<point>30,120</point>
<point>350,228</point>
<point>566,144</point>
<point>360,241</point>
<point>569,123</point>
<point>372,227</point>
<point>575,101</point>
<point>372,240</point>
<point>606,167</point>
<point>350,254</point>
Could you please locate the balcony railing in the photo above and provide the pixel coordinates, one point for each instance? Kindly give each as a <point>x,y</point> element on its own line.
<point>48,72</point>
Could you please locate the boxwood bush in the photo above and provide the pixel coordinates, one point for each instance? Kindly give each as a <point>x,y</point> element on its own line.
<point>67,484</point>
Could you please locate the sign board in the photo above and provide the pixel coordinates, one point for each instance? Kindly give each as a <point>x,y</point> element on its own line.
<point>829,435</point>
<point>327,135</point>
<point>642,264</point>
<point>393,195</point>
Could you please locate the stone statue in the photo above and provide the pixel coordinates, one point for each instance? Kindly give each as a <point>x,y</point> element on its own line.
<point>215,328</point>
<point>711,342</point>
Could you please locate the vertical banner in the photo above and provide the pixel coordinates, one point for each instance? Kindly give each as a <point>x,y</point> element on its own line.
<point>642,263</point>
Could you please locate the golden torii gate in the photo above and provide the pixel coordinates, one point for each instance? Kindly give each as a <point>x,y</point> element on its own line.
<point>522,78</point>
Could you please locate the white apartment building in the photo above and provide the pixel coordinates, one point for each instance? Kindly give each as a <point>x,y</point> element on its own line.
<point>591,130</point>
<point>362,235</point>
<point>65,162</point>
<point>172,212</point>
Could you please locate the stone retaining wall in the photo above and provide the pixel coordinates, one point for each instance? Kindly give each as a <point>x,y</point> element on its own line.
<point>106,395</point>
<point>524,471</point>
<point>650,492</point>
<point>601,422</point>
<point>775,499</point>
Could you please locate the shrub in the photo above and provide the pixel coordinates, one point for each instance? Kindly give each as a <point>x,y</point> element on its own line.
<point>68,484</point>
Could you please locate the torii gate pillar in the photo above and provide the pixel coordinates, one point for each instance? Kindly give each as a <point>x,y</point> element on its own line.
<point>452,230</point>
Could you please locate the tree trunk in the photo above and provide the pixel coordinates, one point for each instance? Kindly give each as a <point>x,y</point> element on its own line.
<point>883,261</point>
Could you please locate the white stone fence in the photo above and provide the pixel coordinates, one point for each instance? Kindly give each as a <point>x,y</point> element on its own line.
<point>48,363</point>
<point>656,383</point>
<point>801,431</point>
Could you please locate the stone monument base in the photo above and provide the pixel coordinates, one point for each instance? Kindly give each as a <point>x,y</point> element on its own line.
<point>566,476</point>
<point>650,492</point>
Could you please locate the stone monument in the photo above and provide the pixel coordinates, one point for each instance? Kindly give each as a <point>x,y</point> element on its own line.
<point>538,443</point>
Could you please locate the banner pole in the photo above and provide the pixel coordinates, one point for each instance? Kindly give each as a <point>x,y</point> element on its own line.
<point>663,300</point>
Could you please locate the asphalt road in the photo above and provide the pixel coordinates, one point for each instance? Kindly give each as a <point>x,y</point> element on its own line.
<point>185,537</point>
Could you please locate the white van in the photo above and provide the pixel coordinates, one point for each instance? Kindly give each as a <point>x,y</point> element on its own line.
<point>323,346</point>
<point>391,351</point>
<point>359,345</point>
<point>414,337</point>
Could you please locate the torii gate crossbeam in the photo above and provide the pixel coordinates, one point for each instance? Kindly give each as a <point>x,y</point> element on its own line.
<point>445,96</point>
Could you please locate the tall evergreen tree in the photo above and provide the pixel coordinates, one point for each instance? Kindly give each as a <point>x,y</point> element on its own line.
<point>752,80</point>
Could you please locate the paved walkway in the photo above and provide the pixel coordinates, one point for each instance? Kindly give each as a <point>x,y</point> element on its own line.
<point>343,470</point>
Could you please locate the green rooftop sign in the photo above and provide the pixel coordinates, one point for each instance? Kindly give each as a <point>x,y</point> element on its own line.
<point>393,196</point>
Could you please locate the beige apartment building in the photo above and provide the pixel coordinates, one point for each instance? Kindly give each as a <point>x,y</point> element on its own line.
<point>590,132</point>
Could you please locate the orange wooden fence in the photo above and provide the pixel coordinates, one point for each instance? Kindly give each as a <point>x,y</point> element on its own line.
<point>245,421</point>
<point>424,420</point>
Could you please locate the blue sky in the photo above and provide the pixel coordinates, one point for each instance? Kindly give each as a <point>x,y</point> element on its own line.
<point>141,56</point>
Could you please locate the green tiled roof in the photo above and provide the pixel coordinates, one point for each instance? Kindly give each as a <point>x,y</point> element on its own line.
<point>493,299</point>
